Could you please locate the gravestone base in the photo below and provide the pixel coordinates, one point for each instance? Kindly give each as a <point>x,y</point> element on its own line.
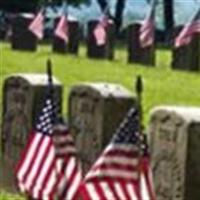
<point>186,57</point>
<point>137,54</point>
<point>103,51</point>
<point>95,111</point>
<point>22,38</point>
<point>175,139</point>
<point>23,96</point>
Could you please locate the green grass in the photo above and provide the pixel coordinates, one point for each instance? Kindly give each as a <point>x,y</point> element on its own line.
<point>162,85</point>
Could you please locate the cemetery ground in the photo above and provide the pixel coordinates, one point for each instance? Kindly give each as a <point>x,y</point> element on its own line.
<point>162,85</point>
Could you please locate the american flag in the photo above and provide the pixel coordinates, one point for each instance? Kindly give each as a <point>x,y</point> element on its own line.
<point>100,31</point>
<point>146,36</point>
<point>115,175</point>
<point>61,30</point>
<point>48,168</point>
<point>146,177</point>
<point>37,26</point>
<point>186,35</point>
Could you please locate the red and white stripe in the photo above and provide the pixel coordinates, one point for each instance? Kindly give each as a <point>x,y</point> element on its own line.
<point>100,31</point>
<point>68,166</point>
<point>36,26</point>
<point>146,181</point>
<point>61,30</point>
<point>186,35</point>
<point>36,172</point>
<point>114,176</point>
<point>147,33</point>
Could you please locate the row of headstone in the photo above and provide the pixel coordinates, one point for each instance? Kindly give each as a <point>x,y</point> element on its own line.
<point>186,57</point>
<point>174,131</point>
<point>23,39</point>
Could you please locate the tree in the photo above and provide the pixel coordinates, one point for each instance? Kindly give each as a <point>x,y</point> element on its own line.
<point>119,12</point>
<point>168,16</point>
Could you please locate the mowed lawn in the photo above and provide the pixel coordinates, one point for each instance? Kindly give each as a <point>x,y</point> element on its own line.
<point>162,85</point>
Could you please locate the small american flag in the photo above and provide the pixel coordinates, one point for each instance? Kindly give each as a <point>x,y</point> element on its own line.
<point>146,36</point>
<point>186,35</point>
<point>37,26</point>
<point>48,168</point>
<point>100,31</point>
<point>115,175</point>
<point>146,177</point>
<point>61,30</point>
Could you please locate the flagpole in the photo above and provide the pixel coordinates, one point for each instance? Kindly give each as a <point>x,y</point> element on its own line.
<point>139,91</point>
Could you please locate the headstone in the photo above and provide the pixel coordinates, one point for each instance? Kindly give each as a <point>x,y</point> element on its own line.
<point>137,54</point>
<point>95,111</point>
<point>175,139</point>
<point>72,46</point>
<point>22,38</point>
<point>186,57</point>
<point>103,51</point>
<point>23,95</point>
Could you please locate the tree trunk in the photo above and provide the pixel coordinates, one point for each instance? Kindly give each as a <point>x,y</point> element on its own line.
<point>119,12</point>
<point>102,4</point>
<point>168,17</point>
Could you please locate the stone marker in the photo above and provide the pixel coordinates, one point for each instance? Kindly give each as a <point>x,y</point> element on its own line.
<point>22,38</point>
<point>95,111</point>
<point>72,47</point>
<point>175,141</point>
<point>186,57</point>
<point>23,95</point>
<point>136,54</point>
<point>104,51</point>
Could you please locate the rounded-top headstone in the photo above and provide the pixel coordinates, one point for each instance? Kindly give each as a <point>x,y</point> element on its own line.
<point>23,96</point>
<point>95,111</point>
<point>175,139</point>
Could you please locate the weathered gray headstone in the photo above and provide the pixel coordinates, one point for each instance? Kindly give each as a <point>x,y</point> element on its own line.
<point>105,51</point>
<point>22,38</point>
<point>95,111</point>
<point>186,57</point>
<point>137,54</point>
<point>175,140</point>
<point>23,95</point>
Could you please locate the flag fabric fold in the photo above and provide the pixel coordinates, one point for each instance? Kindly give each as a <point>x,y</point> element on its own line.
<point>115,175</point>
<point>146,36</point>
<point>187,33</point>
<point>61,30</point>
<point>99,32</point>
<point>48,168</point>
<point>123,171</point>
<point>37,25</point>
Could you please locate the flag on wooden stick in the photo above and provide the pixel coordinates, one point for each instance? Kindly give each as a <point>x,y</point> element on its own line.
<point>37,25</point>
<point>147,29</point>
<point>100,31</point>
<point>115,175</point>
<point>48,168</point>
<point>186,35</point>
<point>61,30</point>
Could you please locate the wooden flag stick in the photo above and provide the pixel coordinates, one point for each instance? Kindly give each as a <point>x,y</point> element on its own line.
<point>139,90</point>
<point>49,71</point>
